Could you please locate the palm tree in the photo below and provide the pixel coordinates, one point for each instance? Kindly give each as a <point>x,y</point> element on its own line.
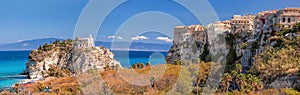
<point>255,82</point>
<point>238,68</point>
<point>234,74</point>
<point>247,88</point>
<point>251,81</point>
<point>226,81</point>
<point>260,86</point>
<point>241,80</point>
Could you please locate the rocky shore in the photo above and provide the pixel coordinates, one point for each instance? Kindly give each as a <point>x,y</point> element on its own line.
<point>61,59</point>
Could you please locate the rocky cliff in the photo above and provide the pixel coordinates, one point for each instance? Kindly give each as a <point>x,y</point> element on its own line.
<point>194,43</point>
<point>188,44</point>
<point>62,59</point>
<point>263,45</point>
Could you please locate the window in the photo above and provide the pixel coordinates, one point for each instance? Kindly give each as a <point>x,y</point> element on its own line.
<point>289,20</point>
<point>283,19</point>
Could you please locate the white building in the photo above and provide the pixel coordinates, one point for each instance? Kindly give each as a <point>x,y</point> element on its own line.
<point>84,42</point>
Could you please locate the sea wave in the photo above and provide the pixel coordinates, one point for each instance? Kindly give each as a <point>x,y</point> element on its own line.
<point>9,77</point>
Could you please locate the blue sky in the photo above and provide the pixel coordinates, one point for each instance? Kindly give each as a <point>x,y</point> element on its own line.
<point>33,19</point>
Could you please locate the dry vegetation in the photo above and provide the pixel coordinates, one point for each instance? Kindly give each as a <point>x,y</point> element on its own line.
<point>176,80</point>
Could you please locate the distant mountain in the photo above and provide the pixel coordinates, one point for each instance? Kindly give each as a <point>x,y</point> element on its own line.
<point>27,44</point>
<point>138,46</point>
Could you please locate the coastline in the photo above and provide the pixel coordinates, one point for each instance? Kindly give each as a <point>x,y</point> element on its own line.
<point>24,80</point>
<point>109,49</point>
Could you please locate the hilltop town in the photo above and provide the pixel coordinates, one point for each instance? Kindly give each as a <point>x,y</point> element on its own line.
<point>252,33</point>
<point>243,40</point>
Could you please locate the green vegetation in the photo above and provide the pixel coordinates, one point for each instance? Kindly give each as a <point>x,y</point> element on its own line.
<point>58,72</point>
<point>47,49</point>
<point>244,45</point>
<point>281,60</point>
<point>139,65</point>
<point>254,46</point>
<point>183,76</point>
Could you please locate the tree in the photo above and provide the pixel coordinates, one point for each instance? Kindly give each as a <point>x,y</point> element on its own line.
<point>296,27</point>
<point>17,88</point>
<point>40,47</point>
<point>107,68</point>
<point>177,62</point>
<point>234,74</point>
<point>226,81</point>
<point>134,66</point>
<point>142,65</point>
<point>56,41</point>
<point>117,67</point>
<point>148,64</point>
<point>238,67</point>
<point>241,80</point>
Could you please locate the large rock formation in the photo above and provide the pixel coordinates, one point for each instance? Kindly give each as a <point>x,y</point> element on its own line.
<point>188,43</point>
<point>195,42</point>
<point>62,59</point>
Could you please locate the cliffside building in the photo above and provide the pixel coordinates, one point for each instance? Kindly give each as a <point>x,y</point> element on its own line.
<point>288,17</point>
<point>251,34</point>
<point>261,21</point>
<point>242,23</point>
<point>84,42</point>
<point>188,43</point>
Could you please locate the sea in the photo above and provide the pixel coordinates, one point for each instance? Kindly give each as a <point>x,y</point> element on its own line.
<point>12,63</point>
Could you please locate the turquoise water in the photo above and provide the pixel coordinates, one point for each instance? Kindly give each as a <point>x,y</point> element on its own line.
<point>12,63</point>
<point>127,58</point>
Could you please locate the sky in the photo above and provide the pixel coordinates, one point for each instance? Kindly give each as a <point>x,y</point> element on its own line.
<point>34,19</point>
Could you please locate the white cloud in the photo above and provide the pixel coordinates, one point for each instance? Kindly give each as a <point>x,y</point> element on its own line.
<point>114,37</point>
<point>164,39</point>
<point>139,38</point>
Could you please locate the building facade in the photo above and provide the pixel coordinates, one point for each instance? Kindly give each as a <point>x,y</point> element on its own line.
<point>287,17</point>
<point>242,23</point>
<point>84,42</point>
